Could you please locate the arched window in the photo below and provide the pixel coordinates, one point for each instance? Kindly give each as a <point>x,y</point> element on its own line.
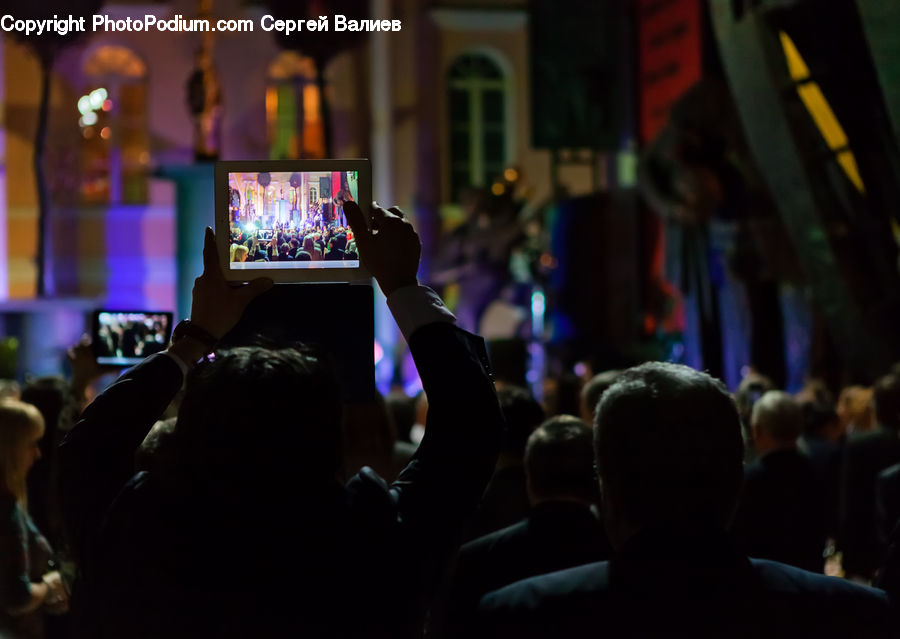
<point>477,91</point>
<point>293,117</point>
<point>113,122</point>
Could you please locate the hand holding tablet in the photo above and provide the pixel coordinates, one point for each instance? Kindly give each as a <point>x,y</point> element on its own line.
<point>390,250</point>
<point>286,220</point>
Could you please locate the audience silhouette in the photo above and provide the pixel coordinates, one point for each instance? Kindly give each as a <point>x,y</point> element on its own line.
<point>669,451</point>
<point>245,530</point>
<point>562,528</point>
<point>781,513</point>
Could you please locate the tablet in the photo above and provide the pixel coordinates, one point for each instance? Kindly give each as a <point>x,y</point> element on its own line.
<point>284,219</point>
<point>124,338</point>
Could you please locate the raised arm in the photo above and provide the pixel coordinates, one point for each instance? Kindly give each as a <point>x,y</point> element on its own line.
<point>97,456</point>
<point>447,476</point>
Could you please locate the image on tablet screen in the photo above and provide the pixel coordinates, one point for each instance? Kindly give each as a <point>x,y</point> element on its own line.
<point>127,337</point>
<point>283,220</point>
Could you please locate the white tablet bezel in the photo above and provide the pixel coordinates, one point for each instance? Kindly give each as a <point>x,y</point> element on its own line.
<point>282,274</point>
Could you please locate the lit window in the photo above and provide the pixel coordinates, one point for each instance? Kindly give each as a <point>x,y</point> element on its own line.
<point>477,92</point>
<point>115,140</point>
<point>293,118</point>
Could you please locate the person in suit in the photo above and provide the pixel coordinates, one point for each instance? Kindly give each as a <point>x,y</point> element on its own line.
<point>887,494</point>
<point>668,447</point>
<point>889,573</point>
<point>780,514</point>
<point>823,442</point>
<point>561,529</point>
<point>505,501</point>
<point>245,530</point>
<point>334,252</point>
<point>865,456</point>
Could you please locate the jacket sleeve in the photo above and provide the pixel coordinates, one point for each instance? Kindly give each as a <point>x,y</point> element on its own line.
<point>445,479</point>
<point>97,456</point>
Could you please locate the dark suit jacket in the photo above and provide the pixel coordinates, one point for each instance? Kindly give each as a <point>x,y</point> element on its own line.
<point>781,512</point>
<point>825,458</point>
<point>887,493</point>
<point>864,457</point>
<point>555,535</point>
<point>889,575</point>
<point>505,502</point>
<point>660,586</point>
<point>327,560</point>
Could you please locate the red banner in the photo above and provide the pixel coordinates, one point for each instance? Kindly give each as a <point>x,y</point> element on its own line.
<point>669,60</point>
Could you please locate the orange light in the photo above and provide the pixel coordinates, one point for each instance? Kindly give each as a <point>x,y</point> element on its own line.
<point>87,132</point>
<point>105,132</point>
<point>510,175</point>
<point>107,105</point>
<point>820,111</point>
<point>498,189</point>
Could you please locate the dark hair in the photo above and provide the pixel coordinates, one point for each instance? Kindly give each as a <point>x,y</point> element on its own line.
<point>522,414</point>
<point>886,397</point>
<point>236,431</point>
<point>668,448</point>
<point>559,460</point>
<point>565,398</point>
<point>52,397</point>
<point>155,452</point>
<point>594,389</point>
<point>748,392</point>
<point>816,417</point>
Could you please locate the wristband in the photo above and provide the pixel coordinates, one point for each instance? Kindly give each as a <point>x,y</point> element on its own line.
<point>186,328</point>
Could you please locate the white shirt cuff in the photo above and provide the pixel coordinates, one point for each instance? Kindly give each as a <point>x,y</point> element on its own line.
<point>415,306</point>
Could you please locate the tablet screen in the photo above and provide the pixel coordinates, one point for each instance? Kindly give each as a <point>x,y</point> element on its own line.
<point>126,337</point>
<point>291,220</point>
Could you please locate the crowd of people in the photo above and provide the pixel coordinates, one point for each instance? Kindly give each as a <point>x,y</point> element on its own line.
<point>131,335</point>
<point>286,244</point>
<point>666,507</point>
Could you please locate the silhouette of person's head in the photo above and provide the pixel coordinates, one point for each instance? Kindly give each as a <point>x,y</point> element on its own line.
<point>669,452</point>
<point>522,413</point>
<point>593,391</point>
<point>751,388</point>
<point>21,428</point>
<point>559,461</point>
<point>51,395</point>
<point>821,420</point>
<point>776,421</point>
<point>256,418</point>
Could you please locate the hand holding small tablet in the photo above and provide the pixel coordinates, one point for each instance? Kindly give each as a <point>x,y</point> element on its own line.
<point>286,220</point>
<point>391,250</point>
